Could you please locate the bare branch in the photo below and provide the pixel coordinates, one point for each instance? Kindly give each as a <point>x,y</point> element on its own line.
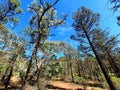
<point>42,2</point>
<point>34,10</point>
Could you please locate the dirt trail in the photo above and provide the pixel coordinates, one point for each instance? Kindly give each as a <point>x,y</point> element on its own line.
<point>71,86</point>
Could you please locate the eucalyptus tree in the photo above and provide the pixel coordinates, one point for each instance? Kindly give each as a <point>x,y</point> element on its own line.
<point>93,71</point>
<point>69,54</point>
<point>105,45</point>
<point>115,7</point>
<point>9,9</point>
<point>57,47</point>
<point>47,53</point>
<point>51,49</point>
<point>85,21</point>
<point>11,48</point>
<point>116,55</point>
<point>14,49</point>
<point>44,17</point>
<point>79,63</point>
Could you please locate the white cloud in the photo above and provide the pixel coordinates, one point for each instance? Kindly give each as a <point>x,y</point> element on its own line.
<point>63,30</point>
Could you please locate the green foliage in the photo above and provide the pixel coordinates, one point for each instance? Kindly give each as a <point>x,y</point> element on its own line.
<point>79,80</point>
<point>116,81</point>
<point>19,10</point>
<point>53,69</point>
<point>44,17</point>
<point>15,19</point>
<point>3,29</point>
<point>3,66</point>
<point>15,2</point>
<point>85,23</point>
<point>9,9</point>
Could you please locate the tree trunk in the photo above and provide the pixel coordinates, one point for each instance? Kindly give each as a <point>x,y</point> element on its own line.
<point>14,58</point>
<point>114,66</point>
<point>68,63</point>
<point>107,77</point>
<point>4,75</point>
<point>78,67</point>
<point>79,74</point>
<point>71,72</point>
<point>26,76</point>
<point>8,79</point>
<point>63,71</point>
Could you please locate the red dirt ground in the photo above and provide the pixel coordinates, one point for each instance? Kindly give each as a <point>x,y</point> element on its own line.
<point>72,86</point>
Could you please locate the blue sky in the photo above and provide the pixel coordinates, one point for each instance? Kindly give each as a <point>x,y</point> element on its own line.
<point>108,18</point>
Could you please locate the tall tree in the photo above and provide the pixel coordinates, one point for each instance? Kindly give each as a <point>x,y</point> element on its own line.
<point>9,9</point>
<point>105,44</point>
<point>43,18</point>
<point>85,21</point>
<point>14,50</point>
<point>69,53</point>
